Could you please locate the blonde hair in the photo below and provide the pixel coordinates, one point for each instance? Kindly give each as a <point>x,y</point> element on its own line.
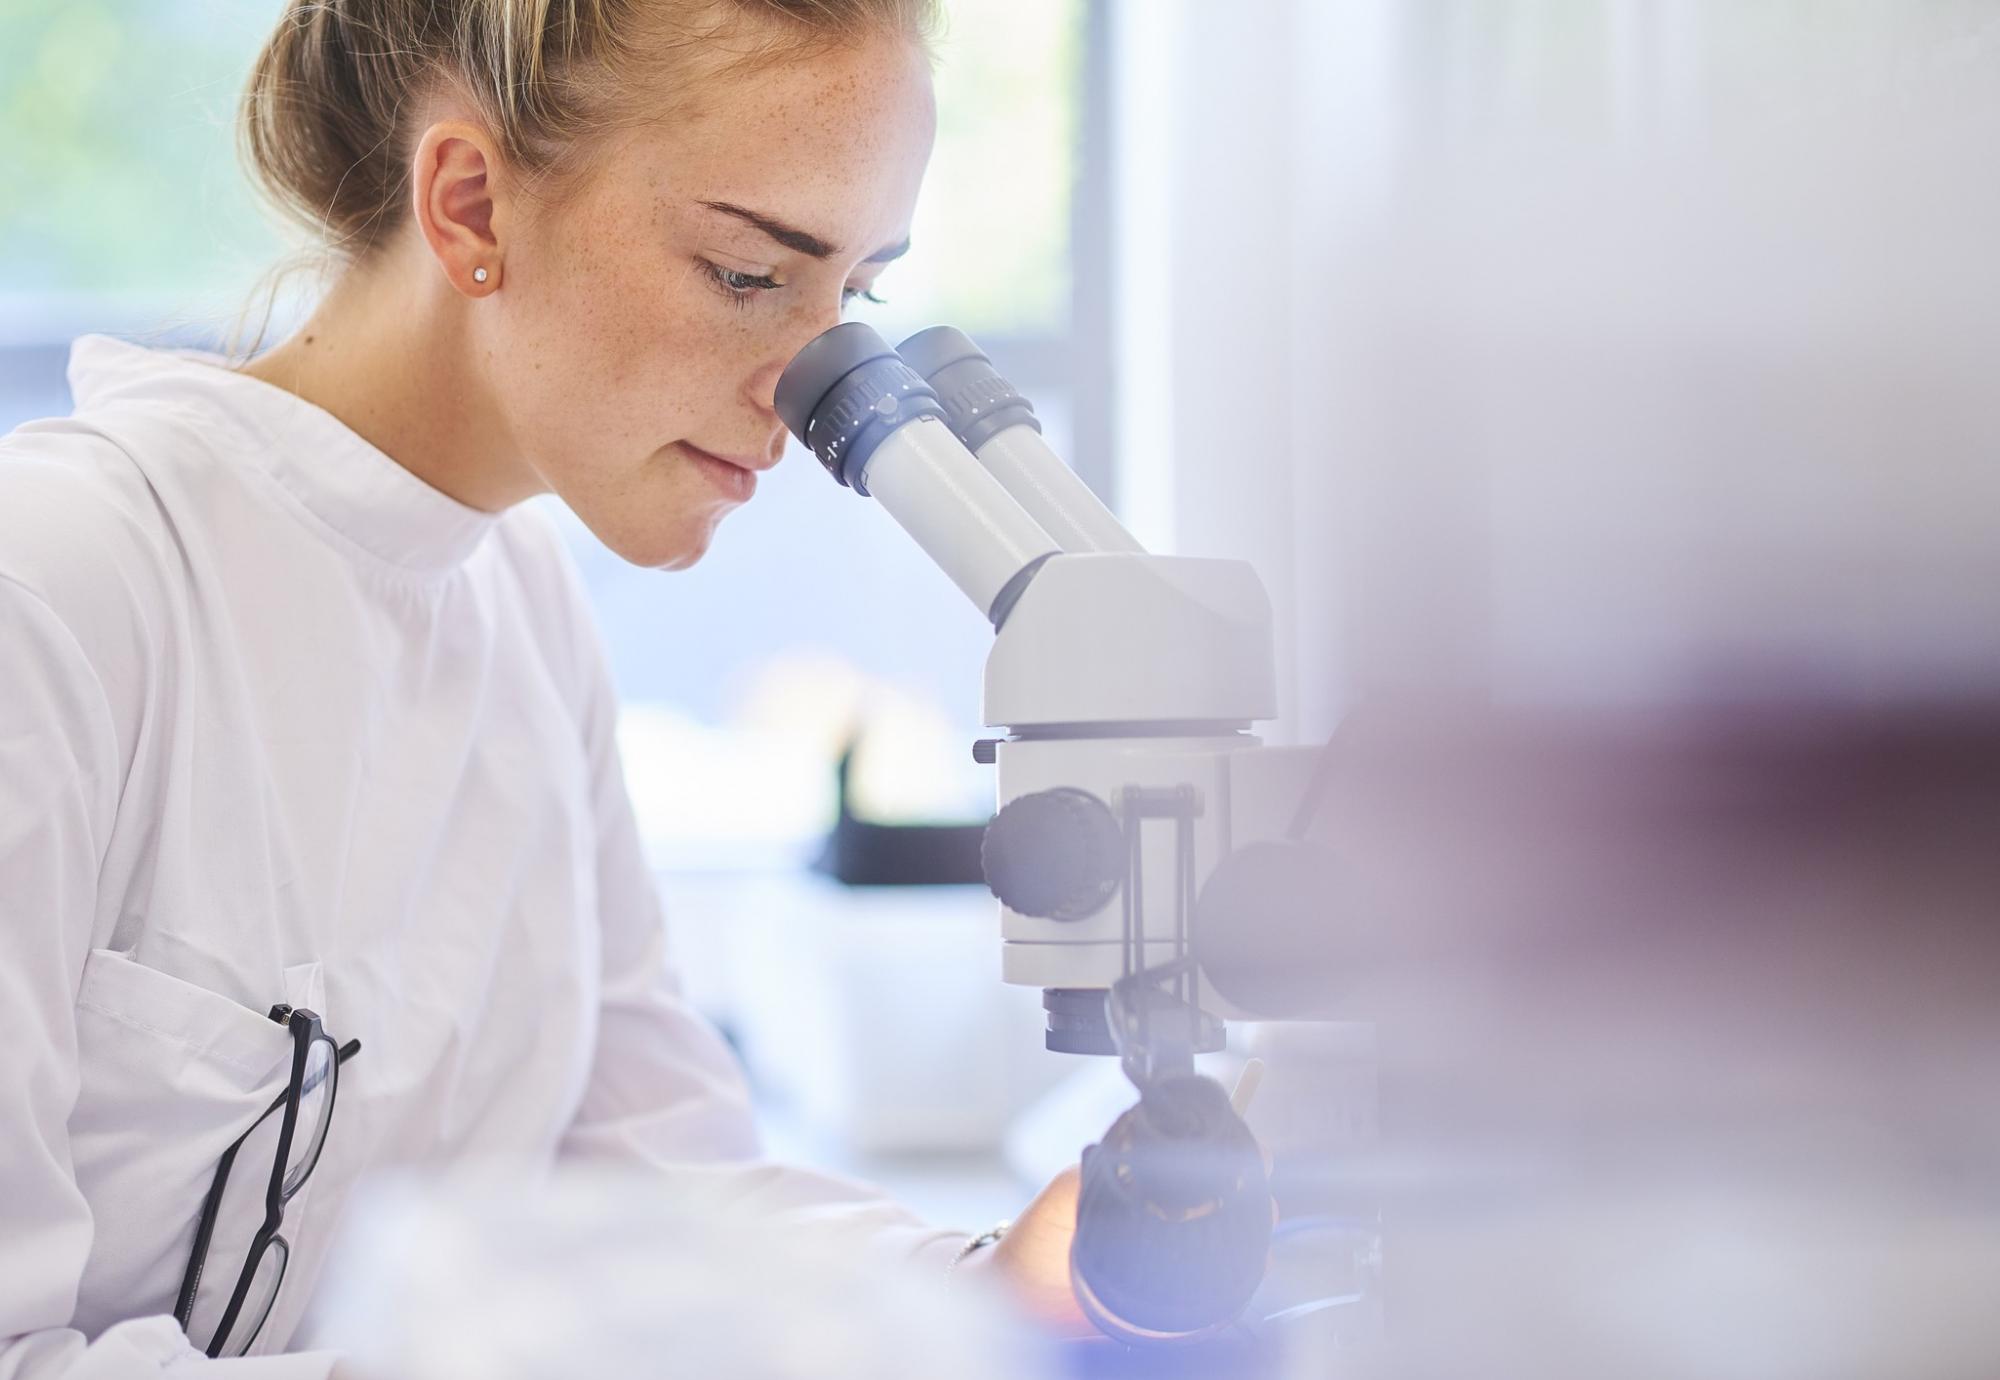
<point>327,125</point>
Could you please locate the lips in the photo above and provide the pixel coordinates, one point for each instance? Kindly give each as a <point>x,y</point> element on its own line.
<point>736,481</point>
<point>756,464</point>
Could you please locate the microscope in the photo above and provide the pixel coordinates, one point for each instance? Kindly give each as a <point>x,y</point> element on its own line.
<point>1148,850</point>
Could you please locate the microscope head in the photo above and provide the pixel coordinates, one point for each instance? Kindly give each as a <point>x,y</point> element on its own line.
<point>1123,682</point>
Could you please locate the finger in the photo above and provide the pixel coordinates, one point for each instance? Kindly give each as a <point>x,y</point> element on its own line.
<point>1247,1084</point>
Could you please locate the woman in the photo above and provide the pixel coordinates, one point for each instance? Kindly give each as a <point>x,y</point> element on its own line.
<point>301,711</point>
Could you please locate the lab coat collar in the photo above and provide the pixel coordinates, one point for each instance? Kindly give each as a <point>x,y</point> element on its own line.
<point>361,493</point>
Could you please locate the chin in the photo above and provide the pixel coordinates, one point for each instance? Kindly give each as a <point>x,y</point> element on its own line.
<point>671,546</point>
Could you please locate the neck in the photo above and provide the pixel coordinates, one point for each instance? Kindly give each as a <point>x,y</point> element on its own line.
<point>388,352</point>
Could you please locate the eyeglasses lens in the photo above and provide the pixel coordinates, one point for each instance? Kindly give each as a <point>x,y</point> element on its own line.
<point>315,1113</point>
<point>257,1303</point>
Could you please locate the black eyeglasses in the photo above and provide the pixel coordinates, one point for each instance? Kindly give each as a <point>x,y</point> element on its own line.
<point>307,1104</point>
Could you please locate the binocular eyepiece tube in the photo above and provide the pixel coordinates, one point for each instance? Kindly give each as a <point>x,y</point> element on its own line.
<point>883,429</point>
<point>879,429</point>
<point>998,424</point>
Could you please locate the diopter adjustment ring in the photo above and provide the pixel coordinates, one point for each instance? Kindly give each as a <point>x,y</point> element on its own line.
<point>847,391</point>
<point>981,406</point>
<point>862,409</point>
<point>979,402</point>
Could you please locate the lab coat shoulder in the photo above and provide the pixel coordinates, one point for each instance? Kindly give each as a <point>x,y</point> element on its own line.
<point>83,537</point>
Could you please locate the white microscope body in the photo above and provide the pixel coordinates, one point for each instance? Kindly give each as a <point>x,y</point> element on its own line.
<point>1125,683</point>
<point>1115,673</point>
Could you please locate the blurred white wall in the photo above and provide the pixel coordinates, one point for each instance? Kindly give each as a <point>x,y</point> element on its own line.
<point>1629,351</point>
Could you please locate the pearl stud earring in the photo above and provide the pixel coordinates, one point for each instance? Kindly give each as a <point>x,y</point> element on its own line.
<point>479,275</point>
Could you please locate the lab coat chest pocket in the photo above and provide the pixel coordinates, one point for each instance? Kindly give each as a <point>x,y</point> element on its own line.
<point>169,1074</point>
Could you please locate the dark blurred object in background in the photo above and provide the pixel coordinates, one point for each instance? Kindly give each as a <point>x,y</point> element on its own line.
<point>867,852</point>
<point>1687,1027</point>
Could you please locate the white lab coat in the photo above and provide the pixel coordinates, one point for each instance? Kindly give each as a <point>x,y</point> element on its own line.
<point>280,722</point>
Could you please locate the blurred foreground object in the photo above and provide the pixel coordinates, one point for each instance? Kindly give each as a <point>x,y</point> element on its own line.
<point>1686,1027</point>
<point>603,1275</point>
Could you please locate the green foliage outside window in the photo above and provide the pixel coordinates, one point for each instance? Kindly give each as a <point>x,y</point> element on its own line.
<point>119,178</point>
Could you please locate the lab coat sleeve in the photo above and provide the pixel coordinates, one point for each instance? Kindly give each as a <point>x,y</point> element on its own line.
<point>59,782</point>
<point>665,1093</point>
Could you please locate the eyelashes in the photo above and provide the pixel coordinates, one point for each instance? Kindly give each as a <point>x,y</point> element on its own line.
<point>739,288</point>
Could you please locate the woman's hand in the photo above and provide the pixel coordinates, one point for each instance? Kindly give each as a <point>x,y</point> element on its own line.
<point>1031,1261</point>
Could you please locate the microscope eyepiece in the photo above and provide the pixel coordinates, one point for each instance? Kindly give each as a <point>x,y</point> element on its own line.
<point>979,403</point>
<point>845,392</point>
<point>826,359</point>
<point>995,421</point>
<point>879,429</point>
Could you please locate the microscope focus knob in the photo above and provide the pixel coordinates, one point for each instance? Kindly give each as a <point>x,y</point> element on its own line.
<point>1057,854</point>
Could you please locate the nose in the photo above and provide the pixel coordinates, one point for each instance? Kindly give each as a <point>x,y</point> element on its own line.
<point>762,388</point>
<point>802,327</point>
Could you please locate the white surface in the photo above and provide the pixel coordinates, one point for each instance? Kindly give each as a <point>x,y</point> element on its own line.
<point>280,721</point>
<point>956,511</point>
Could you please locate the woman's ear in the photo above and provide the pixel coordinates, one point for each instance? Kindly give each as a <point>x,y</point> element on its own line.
<point>458,195</point>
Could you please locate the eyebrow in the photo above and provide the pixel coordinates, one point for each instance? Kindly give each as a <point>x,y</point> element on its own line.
<point>795,239</point>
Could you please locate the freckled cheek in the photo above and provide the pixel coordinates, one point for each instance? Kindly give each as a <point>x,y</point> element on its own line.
<point>619,349</point>
<point>698,354</point>
<point>593,329</point>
